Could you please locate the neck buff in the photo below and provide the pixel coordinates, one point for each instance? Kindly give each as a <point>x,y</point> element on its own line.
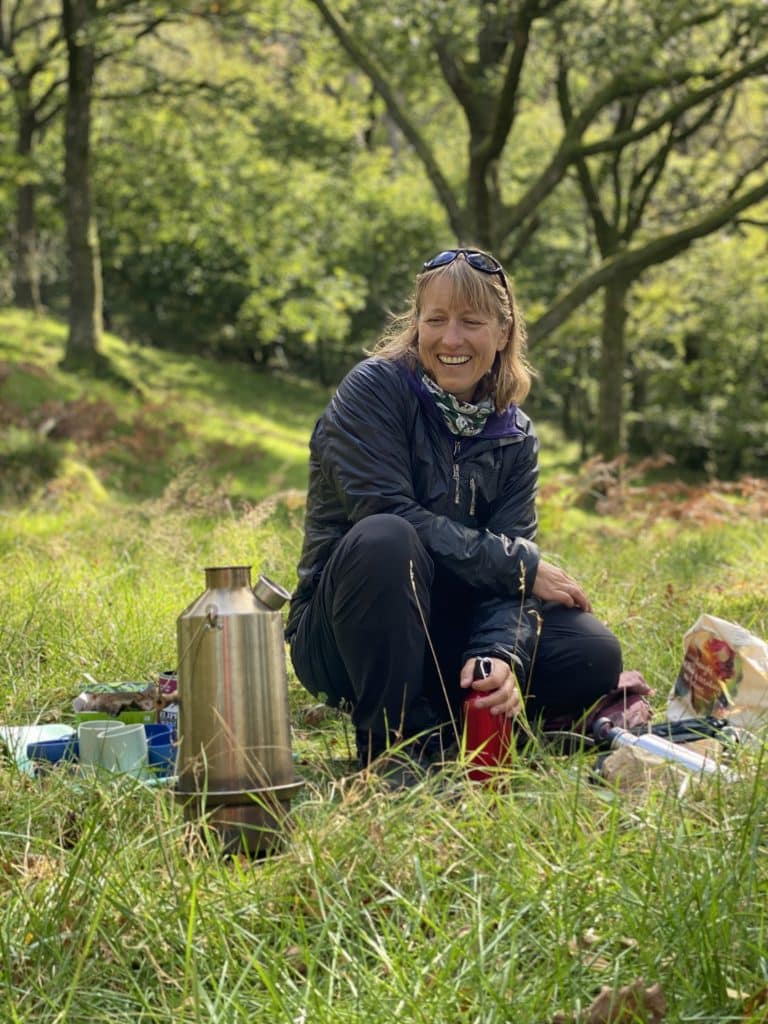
<point>466,419</point>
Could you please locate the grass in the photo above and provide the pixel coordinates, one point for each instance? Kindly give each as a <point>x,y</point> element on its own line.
<point>171,413</point>
<point>456,904</point>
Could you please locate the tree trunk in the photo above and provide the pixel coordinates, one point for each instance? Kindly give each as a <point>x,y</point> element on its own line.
<point>480,214</point>
<point>612,361</point>
<point>26,272</point>
<point>85,289</point>
<point>637,435</point>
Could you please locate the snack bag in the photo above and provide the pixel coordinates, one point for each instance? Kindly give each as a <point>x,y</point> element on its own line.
<point>724,674</point>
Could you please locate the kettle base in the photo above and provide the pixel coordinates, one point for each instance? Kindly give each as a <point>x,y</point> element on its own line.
<point>247,828</point>
<point>256,826</point>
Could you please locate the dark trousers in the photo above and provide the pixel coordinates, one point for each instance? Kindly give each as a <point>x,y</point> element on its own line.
<point>362,641</point>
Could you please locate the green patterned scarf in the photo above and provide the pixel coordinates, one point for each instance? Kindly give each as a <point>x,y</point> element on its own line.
<point>466,419</point>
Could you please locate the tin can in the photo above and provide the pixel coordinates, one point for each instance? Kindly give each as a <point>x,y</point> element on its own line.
<point>168,709</point>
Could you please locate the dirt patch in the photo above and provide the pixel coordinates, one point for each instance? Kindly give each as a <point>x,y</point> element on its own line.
<point>81,420</point>
<point>9,416</point>
<point>32,369</point>
<point>96,429</point>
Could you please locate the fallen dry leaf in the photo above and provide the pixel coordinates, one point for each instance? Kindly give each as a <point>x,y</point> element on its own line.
<point>584,941</point>
<point>294,957</point>
<point>628,1005</point>
<point>581,947</point>
<point>32,867</point>
<point>758,1000</point>
<point>316,714</point>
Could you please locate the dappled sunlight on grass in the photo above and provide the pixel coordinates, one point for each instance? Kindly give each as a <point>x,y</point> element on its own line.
<point>235,424</point>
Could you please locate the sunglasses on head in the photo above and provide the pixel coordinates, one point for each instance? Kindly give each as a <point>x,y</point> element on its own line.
<point>478,260</point>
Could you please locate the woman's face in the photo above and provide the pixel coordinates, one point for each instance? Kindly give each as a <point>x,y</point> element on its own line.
<point>457,345</point>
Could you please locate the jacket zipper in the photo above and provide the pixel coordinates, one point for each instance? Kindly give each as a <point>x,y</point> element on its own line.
<point>457,481</point>
<point>456,449</point>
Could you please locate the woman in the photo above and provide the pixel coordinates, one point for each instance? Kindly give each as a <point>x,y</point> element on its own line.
<point>419,550</point>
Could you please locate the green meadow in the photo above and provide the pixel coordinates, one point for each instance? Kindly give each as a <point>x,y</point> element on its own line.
<point>451,903</point>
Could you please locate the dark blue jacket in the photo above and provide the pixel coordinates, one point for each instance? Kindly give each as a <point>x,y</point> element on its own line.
<point>382,446</point>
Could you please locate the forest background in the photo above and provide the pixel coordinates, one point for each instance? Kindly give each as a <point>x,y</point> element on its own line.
<point>260,182</point>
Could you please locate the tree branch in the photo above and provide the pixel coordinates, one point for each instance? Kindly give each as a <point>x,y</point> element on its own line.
<point>506,106</point>
<point>473,101</point>
<point>759,162</point>
<point>17,31</point>
<point>455,78</point>
<point>53,87</point>
<point>170,88</point>
<point>645,185</point>
<point>522,240</point>
<point>632,262</point>
<point>673,112</point>
<point>45,119</point>
<point>603,231</point>
<point>570,148</point>
<point>367,63</point>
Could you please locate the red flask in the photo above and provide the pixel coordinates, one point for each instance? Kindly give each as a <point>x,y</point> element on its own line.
<point>487,736</point>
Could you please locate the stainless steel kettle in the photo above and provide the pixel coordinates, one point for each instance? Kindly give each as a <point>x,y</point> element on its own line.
<point>235,763</point>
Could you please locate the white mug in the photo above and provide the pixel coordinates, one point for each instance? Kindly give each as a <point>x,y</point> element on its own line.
<point>125,750</point>
<point>91,735</point>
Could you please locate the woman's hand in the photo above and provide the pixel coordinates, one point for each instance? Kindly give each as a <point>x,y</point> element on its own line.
<point>552,584</point>
<point>500,689</point>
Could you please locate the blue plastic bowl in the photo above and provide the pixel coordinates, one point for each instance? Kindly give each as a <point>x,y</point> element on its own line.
<point>53,751</point>
<point>162,759</point>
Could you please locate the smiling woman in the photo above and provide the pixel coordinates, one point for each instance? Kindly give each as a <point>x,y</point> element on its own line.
<point>471,288</point>
<point>419,549</point>
<point>457,345</point>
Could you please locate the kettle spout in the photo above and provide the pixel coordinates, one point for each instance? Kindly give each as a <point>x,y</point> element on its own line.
<point>270,594</point>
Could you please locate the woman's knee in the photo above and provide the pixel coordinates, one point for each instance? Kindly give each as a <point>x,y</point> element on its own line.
<point>385,545</point>
<point>605,653</point>
<point>377,563</point>
<point>577,647</point>
<point>384,528</point>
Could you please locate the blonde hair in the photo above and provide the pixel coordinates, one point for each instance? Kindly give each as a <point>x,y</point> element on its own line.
<point>510,377</point>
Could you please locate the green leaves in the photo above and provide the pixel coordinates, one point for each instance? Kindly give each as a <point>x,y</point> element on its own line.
<point>262,179</point>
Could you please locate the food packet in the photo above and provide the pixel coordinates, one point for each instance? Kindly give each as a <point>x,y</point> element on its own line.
<point>724,674</point>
